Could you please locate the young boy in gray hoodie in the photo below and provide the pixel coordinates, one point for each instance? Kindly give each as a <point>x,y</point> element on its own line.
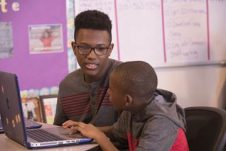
<point>150,118</point>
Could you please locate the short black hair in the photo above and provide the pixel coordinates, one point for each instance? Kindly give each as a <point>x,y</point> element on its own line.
<point>93,19</point>
<point>137,78</point>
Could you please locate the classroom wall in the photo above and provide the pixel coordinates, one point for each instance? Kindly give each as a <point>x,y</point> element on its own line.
<point>195,85</point>
<point>194,67</point>
<point>36,70</point>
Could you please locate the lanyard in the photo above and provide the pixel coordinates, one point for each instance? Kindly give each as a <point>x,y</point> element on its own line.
<point>132,141</point>
<point>99,105</point>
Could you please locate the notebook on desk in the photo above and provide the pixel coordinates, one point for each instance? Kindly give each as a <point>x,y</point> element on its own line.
<point>14,125</point>
<point>30,124</point>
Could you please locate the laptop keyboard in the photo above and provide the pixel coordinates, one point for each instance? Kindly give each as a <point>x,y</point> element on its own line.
<point>41,135</point>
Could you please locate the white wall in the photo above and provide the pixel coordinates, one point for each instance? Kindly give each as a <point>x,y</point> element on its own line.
<point>195,85</point>
<point>185,24</point>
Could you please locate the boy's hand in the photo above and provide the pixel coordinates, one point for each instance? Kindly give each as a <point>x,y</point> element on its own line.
<point>87,130</point>
<point>69,124</point>
<point>91,131</point>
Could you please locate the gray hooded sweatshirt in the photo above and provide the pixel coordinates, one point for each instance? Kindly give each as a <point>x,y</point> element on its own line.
<point>158,127</point>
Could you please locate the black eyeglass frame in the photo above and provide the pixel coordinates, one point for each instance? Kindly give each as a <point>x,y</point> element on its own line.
<point>95,49</point>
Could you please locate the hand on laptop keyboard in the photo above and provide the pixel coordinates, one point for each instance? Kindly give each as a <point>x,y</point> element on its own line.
<point>73,134</point>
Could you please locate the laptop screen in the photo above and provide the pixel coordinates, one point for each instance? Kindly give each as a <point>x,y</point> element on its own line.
<point>11,110</point>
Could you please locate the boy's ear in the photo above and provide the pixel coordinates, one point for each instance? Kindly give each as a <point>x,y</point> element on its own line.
<point>110,49</point>
<point>73,47</point>
<point>128,100</point>
<point>73,44</point>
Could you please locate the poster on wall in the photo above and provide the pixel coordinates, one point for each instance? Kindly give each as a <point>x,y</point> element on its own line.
<point>6,40</point>
<point>45,38</point>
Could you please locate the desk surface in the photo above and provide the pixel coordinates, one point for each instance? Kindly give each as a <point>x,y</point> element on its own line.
<point>7,144</point>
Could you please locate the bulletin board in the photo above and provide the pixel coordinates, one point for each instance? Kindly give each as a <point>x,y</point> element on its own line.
<point>38,63</point>
<point>166,32</point>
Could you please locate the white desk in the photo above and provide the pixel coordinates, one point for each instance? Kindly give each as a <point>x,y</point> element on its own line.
<point>7,144</point>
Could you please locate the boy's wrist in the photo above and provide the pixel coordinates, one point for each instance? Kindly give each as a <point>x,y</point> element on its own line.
<point>105,142</point>
<point>100,137</point>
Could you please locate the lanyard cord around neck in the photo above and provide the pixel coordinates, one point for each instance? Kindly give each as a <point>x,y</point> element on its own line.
<point>99,105</point>
<point>106,77</point>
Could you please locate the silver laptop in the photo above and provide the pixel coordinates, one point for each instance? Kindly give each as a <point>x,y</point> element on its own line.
<point>14,125</point>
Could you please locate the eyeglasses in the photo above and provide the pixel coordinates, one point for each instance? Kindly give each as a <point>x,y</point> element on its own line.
<point>85,49</point>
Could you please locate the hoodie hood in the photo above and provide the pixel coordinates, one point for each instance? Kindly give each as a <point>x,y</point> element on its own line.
<point>164,104</point>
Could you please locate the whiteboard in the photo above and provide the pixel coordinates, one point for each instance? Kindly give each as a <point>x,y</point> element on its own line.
<point>167,32</point>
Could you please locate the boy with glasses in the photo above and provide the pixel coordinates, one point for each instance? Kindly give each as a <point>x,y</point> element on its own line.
<point>82,93</point>
<point>151,119</point>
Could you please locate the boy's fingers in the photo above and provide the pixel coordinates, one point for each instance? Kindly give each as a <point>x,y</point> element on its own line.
<point>81,125</point>
<point>65,123</point>
<point>73,130</point>
<point>69,124</point>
